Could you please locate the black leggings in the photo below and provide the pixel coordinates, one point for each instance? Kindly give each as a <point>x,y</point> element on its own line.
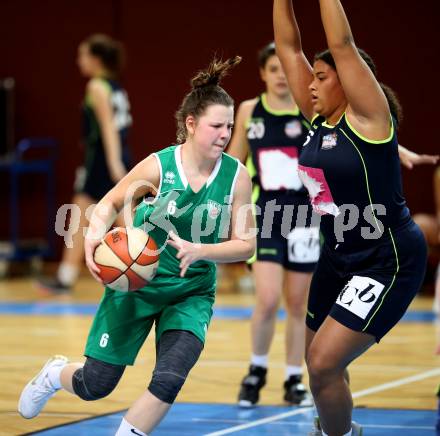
<point>176,353</point>
<point>96,379</point>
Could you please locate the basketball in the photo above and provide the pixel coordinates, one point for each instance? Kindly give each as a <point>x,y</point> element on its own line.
<point>128,258</point>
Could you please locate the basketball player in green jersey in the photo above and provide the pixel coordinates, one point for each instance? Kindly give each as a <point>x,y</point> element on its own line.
<point>200,214</point>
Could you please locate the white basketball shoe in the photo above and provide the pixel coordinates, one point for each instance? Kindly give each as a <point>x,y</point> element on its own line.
<point>356,429</point>
<point>38,391</point>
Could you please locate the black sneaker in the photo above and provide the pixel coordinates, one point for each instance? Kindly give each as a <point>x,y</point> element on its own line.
<point>295,392</point>
<point>52,286</point>
<point>251,385</point>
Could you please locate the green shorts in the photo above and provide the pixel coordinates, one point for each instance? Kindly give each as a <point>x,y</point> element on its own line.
<point>124,320</point>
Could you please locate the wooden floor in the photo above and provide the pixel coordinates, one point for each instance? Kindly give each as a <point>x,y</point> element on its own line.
<point>26,341</point>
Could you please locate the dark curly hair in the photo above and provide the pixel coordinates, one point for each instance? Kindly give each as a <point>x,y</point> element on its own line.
<point>393,101</point>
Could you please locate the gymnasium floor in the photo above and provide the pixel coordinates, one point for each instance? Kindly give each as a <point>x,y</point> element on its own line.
<point>393,384</point>
<point>220,419</point>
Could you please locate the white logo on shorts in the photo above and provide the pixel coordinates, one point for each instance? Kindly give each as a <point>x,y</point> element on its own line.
<point>359,295</point>
<point>303,245</point>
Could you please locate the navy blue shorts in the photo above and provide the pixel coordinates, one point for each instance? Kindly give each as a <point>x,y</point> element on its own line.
<point>281,238</point>
<point>369,290</point>
<point>94,179</point>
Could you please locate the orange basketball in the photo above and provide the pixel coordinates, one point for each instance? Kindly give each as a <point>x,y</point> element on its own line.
<point>128,258</point>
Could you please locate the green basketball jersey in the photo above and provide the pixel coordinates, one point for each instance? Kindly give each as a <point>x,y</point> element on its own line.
<point>171,302</point>
<point>199,217</point>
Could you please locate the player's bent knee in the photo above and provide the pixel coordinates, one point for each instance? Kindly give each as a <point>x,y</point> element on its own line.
<point>166,385</point>
<point>178,351</point>
<point>321,368</point>
<point>96,379</point>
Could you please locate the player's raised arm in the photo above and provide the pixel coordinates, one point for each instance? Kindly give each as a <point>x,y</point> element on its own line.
<point>289,49</point>
<point>367,104</point>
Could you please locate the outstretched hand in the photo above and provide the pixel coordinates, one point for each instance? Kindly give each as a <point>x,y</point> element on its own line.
<point>409,158</point>
<point>187,252</point>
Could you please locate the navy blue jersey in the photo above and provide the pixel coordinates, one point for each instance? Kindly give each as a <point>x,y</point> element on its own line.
<point>354,183</point>
<point>93,177</point>
<point>275,139</point>
<point>92,138</point>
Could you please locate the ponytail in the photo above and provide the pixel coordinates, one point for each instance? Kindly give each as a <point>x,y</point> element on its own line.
<point>206,91</point>
<point>215,72</point>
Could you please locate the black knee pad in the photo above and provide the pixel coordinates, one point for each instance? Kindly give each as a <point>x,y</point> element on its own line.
<point>166,385</point>
<point>96,379</point>
<point>177,352</point>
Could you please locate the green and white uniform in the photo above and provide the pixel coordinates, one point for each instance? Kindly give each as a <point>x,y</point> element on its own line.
<point>124,320</point>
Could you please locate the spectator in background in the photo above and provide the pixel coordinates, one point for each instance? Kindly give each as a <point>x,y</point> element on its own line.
<point>269,132</point>
<point>106,121</point>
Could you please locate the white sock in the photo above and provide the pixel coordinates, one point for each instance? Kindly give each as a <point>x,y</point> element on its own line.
<point>67,273</point>
<point>126,429</point>
<point>54,376</point>
<point>293,370</point>
<point>259,360</point>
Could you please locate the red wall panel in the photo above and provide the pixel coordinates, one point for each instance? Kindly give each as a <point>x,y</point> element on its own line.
<point>167,42</point>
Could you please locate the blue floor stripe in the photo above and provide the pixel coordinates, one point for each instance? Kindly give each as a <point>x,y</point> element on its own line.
<point>220,312</point>
<point>202,419</point>
<point>47,308</point>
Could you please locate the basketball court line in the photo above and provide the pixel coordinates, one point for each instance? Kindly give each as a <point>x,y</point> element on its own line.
<point>307,423</point>
<point>220,311</point>
<point>69,424</point>
<point>362,393</point>
<point>398,382</point>
<point>236,313</point>
<point>203,418</point>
